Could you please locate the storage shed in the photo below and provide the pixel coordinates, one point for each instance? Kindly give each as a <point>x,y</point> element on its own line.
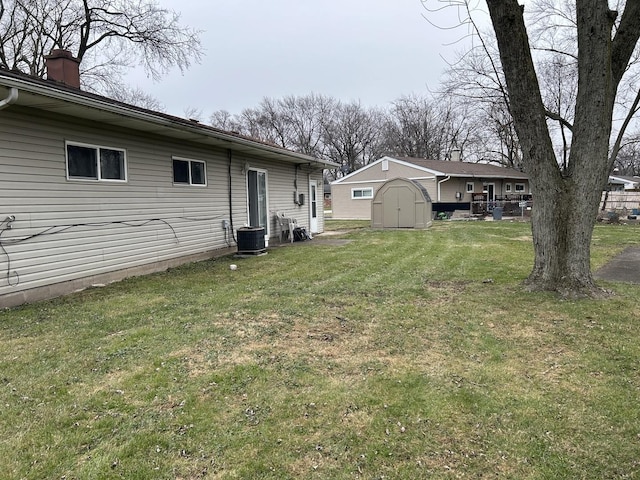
<point>401,203</point>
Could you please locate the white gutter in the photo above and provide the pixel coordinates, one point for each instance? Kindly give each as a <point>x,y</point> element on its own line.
<point>441,182</point>
<point>13,96</point>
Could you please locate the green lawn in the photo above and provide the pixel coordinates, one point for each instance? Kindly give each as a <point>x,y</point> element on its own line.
<point>400,355</point>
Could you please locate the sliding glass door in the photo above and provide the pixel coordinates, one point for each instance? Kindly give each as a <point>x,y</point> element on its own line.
<point>257,195</point>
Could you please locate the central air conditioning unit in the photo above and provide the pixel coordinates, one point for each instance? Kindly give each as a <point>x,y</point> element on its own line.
<point>251,240</point>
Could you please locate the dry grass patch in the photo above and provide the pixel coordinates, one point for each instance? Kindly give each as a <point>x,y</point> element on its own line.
<point>389,356</point>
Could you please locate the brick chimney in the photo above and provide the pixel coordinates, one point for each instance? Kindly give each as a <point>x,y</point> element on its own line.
<point>63,67</point>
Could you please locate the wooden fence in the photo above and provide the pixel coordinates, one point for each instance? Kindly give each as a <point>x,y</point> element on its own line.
<point>621,202</point>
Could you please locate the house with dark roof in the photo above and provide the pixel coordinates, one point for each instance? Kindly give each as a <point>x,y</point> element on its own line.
<point>453,186</point>
<point>93,190</point>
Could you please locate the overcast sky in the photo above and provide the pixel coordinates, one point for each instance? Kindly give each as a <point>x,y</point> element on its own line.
<point>373,51</point>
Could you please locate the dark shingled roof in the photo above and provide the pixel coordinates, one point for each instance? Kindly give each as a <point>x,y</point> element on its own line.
<point>97,103</point>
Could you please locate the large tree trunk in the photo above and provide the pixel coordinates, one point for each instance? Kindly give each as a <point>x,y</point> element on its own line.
<point>562,225</point>
<point>566,201</point>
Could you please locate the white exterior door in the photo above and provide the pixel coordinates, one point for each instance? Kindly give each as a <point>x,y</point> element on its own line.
<point>313,206</point>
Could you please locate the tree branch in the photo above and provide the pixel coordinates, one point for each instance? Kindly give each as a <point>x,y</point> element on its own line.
<point>558,118</point>
<point>627,120</point>
<point>626,38</point>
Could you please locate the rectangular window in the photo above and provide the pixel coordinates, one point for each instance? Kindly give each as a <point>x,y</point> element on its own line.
<point>507,187</point>
<point>470,187</point>
<point>361,193</point>
<point>189,172</point>
<point>89,162</point>
<point>520,187</point>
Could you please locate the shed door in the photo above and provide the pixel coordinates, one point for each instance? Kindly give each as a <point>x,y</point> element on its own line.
<point>399,207</point>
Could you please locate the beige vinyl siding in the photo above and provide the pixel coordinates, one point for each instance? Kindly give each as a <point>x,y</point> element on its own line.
<point>449,188</point>
<point>346,208</point>
<point>77,224</point>
<point>441,188</point>
<point>397,170</point>
<point>73,221</point>
<point>281,187</point>
<point>431,184</point>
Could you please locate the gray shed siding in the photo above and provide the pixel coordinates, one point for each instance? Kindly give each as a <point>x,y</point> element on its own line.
<point>83,229</point>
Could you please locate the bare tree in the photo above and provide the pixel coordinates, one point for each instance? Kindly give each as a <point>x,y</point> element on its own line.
<point>135,96</point>
<point>423,127</point>
<point>352,137</point>
<point>567,199</point>
<point>627,161</point>
<point>475,84</point>
<point>262,123</point>
<point>300,123</point>
<point>307,117</point>
<point>224,120</point>
<point>558,81</point>
<point>107,36</point>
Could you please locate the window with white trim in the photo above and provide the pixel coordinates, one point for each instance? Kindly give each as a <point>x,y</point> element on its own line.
<point>520,187</point>
<point>189,172</point>
<point>361,193</point>
<point>507,187</point>
<point>92,162</point>
<point>470,187</point>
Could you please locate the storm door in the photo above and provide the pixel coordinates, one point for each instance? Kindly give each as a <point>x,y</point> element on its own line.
<point>313,206</point>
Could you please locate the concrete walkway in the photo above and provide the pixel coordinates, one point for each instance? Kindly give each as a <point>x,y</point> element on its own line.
<point>625,267</point>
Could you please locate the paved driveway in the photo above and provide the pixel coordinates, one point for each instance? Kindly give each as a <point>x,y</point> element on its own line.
<point>625,267</point>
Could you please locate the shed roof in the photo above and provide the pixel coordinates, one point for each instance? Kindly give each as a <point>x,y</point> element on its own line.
<point>58,98</point>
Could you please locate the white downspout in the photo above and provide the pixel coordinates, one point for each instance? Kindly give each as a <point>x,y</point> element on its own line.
<point>440,183</point>
<point>13,96</point>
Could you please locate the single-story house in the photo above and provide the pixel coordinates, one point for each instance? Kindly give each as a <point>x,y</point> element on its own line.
<point>452,185</point>
<point>93,190</point>
<point>621,182</point>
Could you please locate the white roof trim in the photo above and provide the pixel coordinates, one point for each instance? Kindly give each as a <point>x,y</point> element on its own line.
<point>395,160</point>
<point>624,180</point>
<point>358,182</point>
<point>434,173</point>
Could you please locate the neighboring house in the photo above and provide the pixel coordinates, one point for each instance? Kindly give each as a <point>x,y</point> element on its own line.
<point>620,182</point>
<point>451,185</point>
<point>93,190</point>
<point>622,195</point>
